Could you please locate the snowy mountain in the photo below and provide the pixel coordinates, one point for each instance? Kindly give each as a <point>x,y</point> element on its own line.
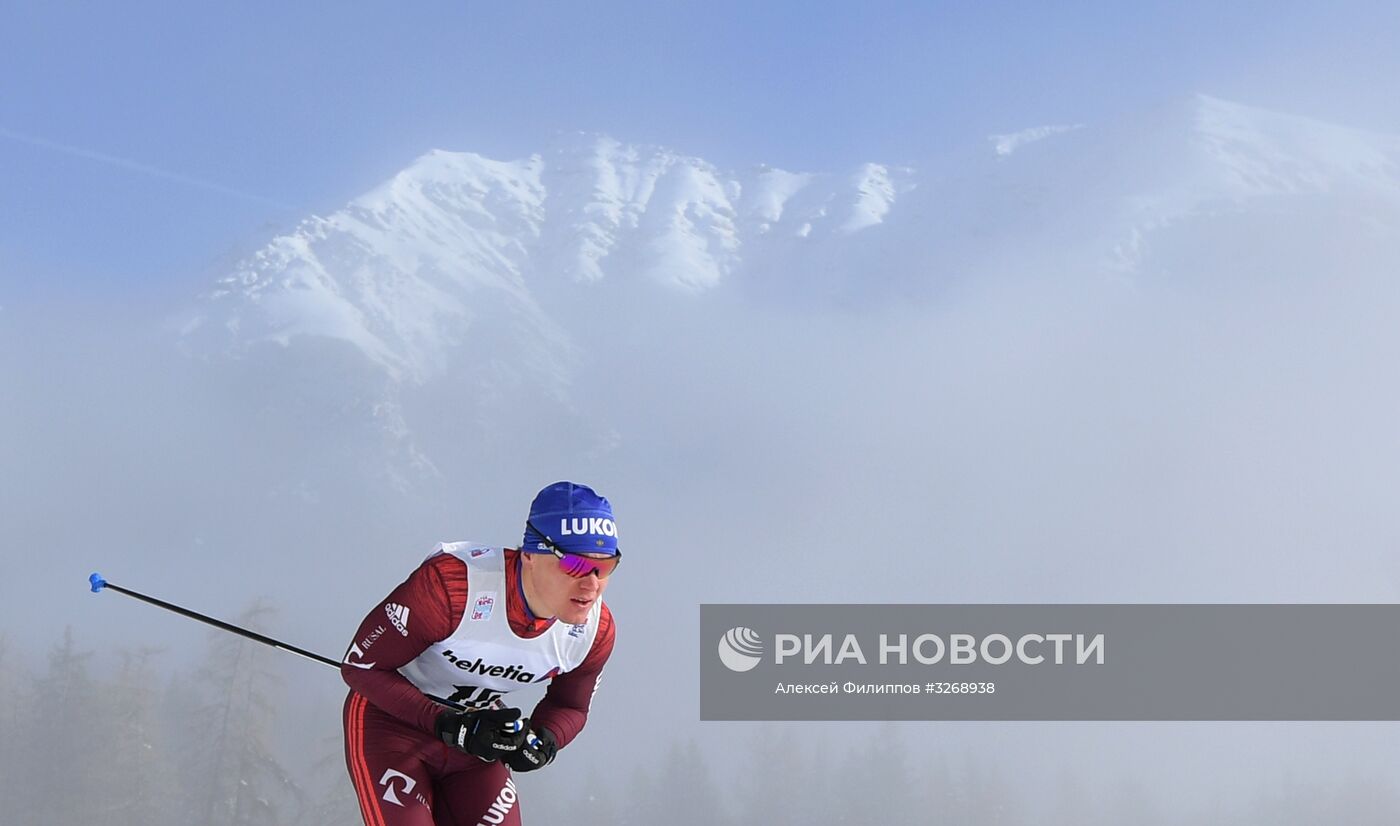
<point>456,242</point>
<point>485,286</point>
<point>1261,152</point>
<point>1112,192</point>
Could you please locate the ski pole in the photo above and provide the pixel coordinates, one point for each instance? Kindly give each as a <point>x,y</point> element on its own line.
<point>98,584</point>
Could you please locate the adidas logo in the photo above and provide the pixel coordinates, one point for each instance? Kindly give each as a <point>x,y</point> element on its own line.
<point>398,615</point>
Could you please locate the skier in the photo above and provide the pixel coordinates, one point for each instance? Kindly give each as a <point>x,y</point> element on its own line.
<point>471,624</point>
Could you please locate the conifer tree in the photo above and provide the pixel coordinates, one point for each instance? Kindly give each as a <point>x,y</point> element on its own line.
<point>678,789</point>
<point>10,717</point>
<point>231,772</point>
<point>137,781</point>
<point>59,752</point>
<point>331,796</point>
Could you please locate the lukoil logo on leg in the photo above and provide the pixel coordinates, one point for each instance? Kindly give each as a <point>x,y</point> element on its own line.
<point>740,649</point>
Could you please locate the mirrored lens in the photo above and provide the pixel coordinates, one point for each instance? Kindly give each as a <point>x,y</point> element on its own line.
<point>581,566</point>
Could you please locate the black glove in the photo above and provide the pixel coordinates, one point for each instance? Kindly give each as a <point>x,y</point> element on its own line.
<point>490,733</point>
<point>535,753</point>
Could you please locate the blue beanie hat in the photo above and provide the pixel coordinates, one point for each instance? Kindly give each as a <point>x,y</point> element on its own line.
<point>572,517</point>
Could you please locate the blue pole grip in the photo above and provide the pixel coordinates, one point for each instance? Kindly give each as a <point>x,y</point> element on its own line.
<point>97,582</point>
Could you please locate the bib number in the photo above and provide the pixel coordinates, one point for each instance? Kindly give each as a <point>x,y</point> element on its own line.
<point>474,696</point>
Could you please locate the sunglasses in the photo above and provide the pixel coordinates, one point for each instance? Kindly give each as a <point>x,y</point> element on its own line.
<point>578,565</point>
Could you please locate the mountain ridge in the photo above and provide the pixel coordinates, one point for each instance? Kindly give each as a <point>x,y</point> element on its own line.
<point>457,246</point>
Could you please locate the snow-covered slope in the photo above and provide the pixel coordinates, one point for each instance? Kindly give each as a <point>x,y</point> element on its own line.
<point>458,246</point>
<point>1104,196</point>
<point>484,287</point>
<point>1007,144</point>
<point>1261,152</point>
<point>1236,160</point>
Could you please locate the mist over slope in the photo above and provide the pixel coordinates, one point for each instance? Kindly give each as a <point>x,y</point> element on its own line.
<point>504,289</point>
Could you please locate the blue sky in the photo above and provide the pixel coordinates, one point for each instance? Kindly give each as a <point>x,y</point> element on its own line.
<point>147,144</point>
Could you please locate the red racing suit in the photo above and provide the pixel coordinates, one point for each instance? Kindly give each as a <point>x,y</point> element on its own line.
<point>403,774</point>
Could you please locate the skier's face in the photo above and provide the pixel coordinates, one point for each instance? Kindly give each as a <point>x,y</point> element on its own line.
<point>567,597</point>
